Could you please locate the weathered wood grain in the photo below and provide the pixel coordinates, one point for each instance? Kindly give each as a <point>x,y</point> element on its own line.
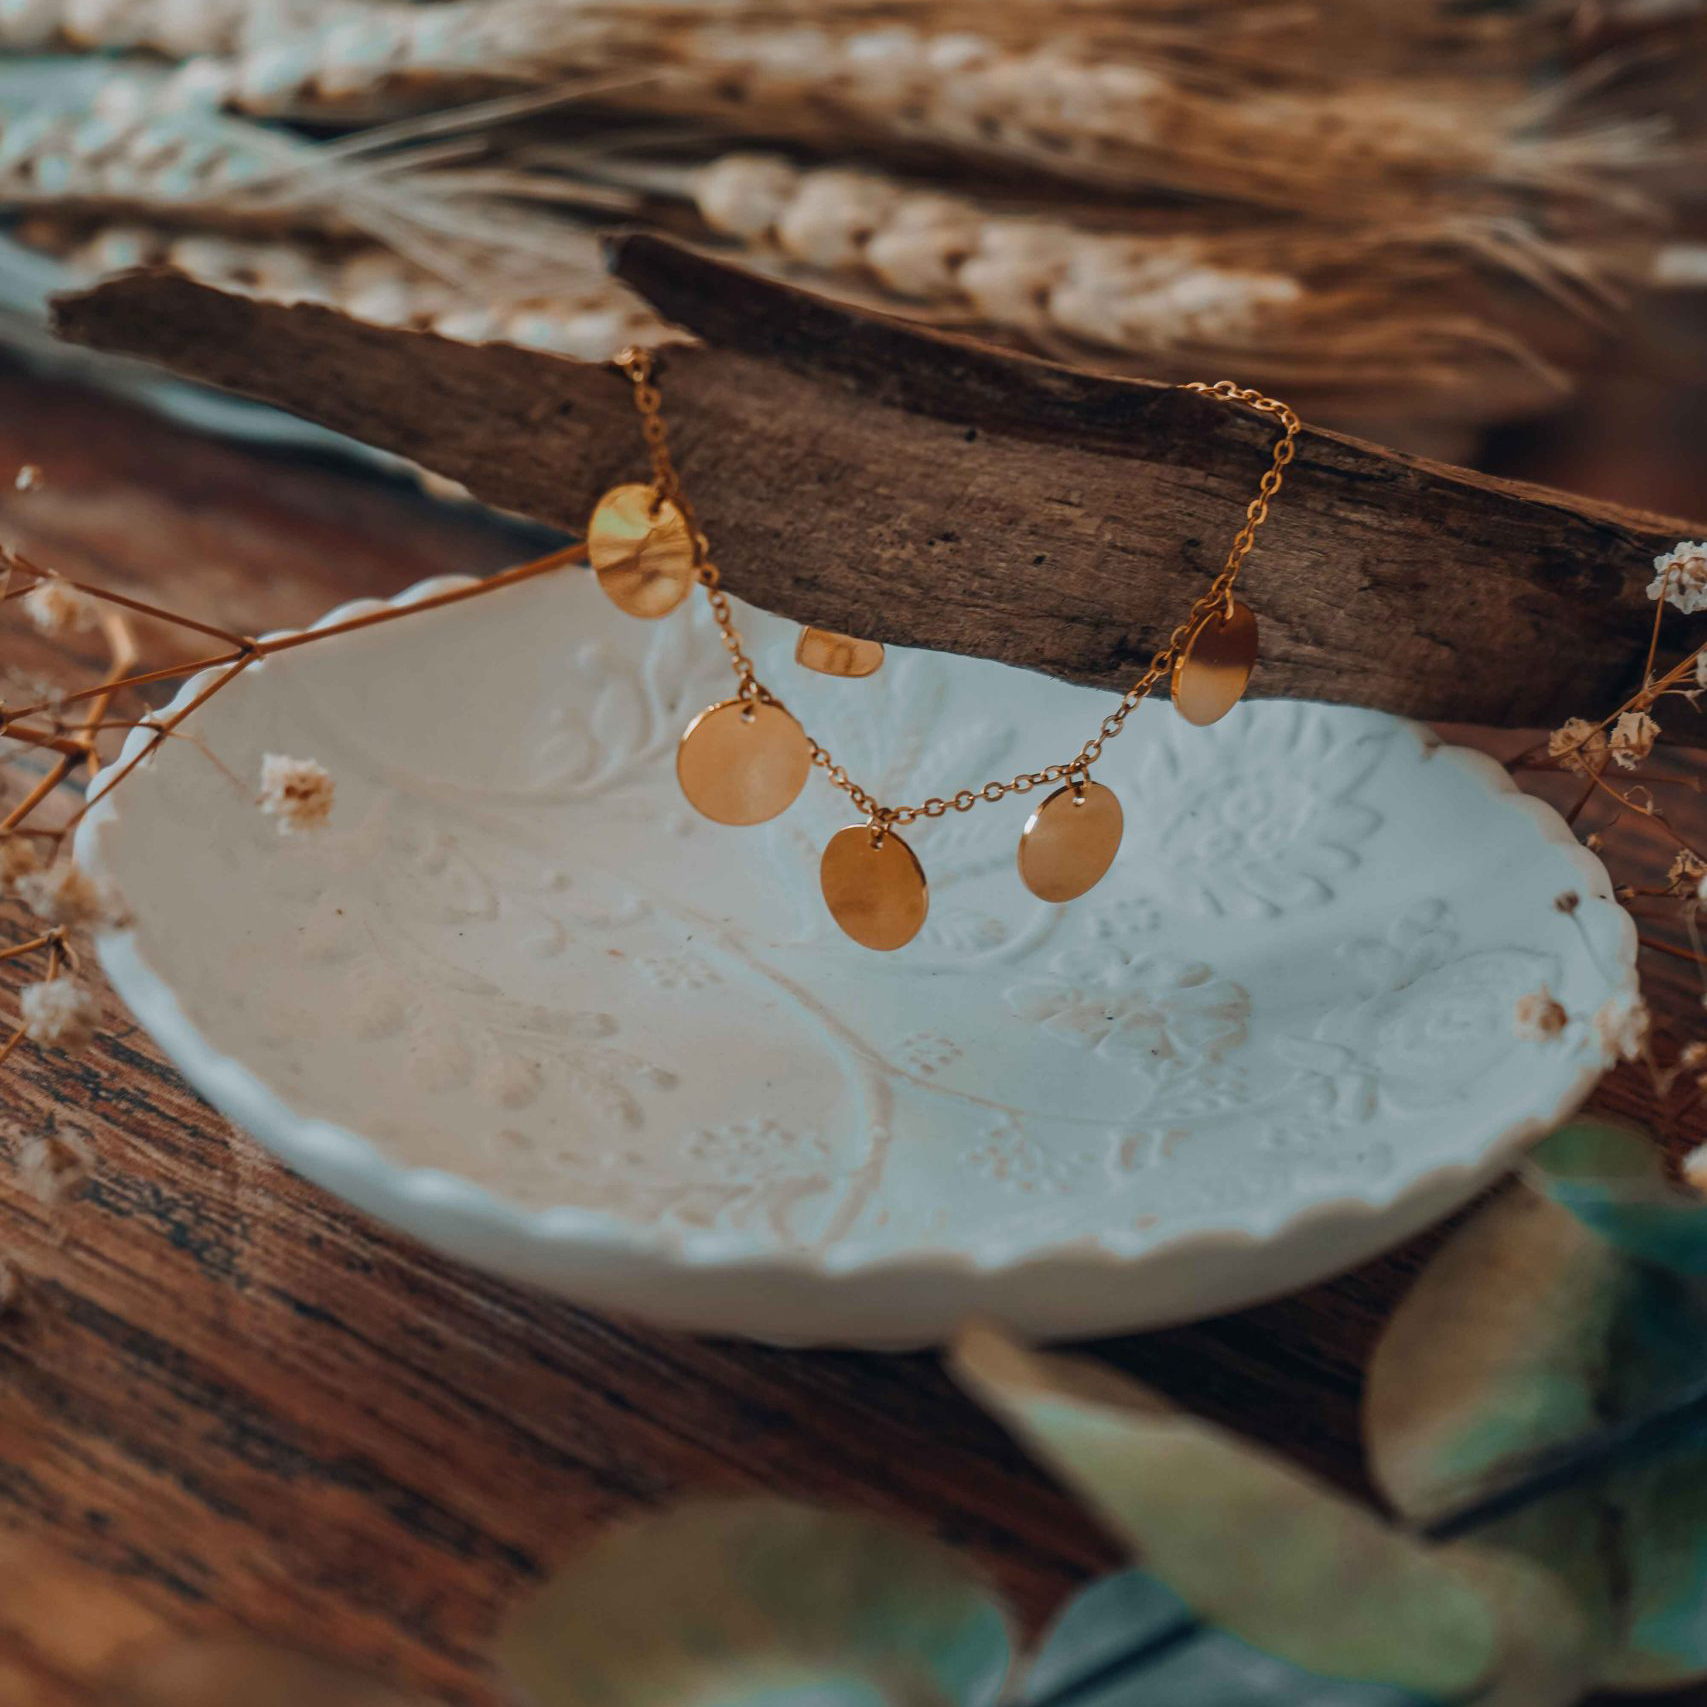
<point>229,1402</point>
<point>871,476</point>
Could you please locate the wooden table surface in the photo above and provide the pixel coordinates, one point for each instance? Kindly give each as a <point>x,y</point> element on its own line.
<point>227,1401</point>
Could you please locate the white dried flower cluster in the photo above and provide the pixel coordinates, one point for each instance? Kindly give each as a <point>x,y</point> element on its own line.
<point>1694,1170</point>
<point>1540,1016</point>
<point>65,894</point>
<point>57,607</point>
<point>59,1014</point>
<point>1680,577</point>
<point>52,1168</point>
<point>1621,1023</point>
<point>1686,873</point>
<point>297,792</point>
<point>1032,275</point>
<point>1632,739</point>
<point>27,479</point>
<point>19,858</point>
<point>1578,741</point>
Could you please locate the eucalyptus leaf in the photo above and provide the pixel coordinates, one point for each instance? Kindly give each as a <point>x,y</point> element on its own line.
<point>1547,1650</point>
<point>1526,1334</point>
<point>244,1673</point>
<point>1254,1546</point>
<point>1612,1178</point>
<point>1207,1668</point>
<point>734,1602</point>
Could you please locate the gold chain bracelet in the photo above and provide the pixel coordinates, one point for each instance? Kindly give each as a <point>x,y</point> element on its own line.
<point>746,759</point>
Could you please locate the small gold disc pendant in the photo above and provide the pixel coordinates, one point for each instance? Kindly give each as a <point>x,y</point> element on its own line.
<point>874,886</point>
<point>1214,665</point>
<point>641,549</point>
<point>833,654</point>
<point>1070,841</point>
<point>742,761</point>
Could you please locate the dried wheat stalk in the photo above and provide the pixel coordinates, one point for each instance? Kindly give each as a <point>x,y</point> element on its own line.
<point>1242,33</point>
<point>590,323</point>
<point>1066,105</point>
<point>131,154</point>
<point>1309,305</point>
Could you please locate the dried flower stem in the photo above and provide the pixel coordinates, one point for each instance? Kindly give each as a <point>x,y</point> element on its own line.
<point>1676,953</point>
<point>108,596</point>
<point>80,747</point>
<point>31,946</point>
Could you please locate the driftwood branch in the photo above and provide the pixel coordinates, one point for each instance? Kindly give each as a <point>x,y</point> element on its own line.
<point>866,475</point>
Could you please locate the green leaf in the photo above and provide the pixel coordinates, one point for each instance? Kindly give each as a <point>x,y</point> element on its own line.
<point>1528,1333</point>
<point>1612,1178</point>
<point>1254,1546</point>
<point>1209,1669</point>
<point>1547,1650</point>
<point>730,1602</point>
<point>229,1672</point>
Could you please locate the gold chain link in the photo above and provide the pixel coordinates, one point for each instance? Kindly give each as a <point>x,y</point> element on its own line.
<point>637,365</point>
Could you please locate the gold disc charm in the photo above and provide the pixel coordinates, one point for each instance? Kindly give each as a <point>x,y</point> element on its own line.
<point>1070,841</point>
<point>833,654</point>
<point>1214,665</point>
<point>641,549</point>
<point>742,761</point>
<point>874,886</point>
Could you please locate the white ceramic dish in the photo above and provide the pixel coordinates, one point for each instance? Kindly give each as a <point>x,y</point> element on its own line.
<point>519,1001</point>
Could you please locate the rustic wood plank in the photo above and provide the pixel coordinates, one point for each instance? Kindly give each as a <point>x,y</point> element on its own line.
<point>875,477</point>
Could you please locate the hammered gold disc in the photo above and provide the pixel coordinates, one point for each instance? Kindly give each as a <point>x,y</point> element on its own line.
<point>874,887</point>
<point>742,761</point>
<point>641,549</point>
<point>833,654</point>
<point>1070,841</point>
<point>1215,664</point>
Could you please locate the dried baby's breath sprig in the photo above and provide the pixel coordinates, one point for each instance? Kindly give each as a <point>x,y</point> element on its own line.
<point>27,479</point>
<point>1622,1023</point>
<point>1632,738</point>
<point>1608,754</point>
<point>1693,1170</point>
<point>1686,873</point>
<point>55,1168</point>
<point>1580,743</point>
<point>297,792</point>
<point>59,1014</point>
<point>19,857</point>
<point>56,607</point>
<point>1680,577</point>
<point>65,894</point>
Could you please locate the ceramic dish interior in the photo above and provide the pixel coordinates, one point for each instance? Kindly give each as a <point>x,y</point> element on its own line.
<point>520,1001</point>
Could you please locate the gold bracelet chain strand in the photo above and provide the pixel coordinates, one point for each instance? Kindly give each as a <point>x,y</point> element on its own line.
<point>746,759</point>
